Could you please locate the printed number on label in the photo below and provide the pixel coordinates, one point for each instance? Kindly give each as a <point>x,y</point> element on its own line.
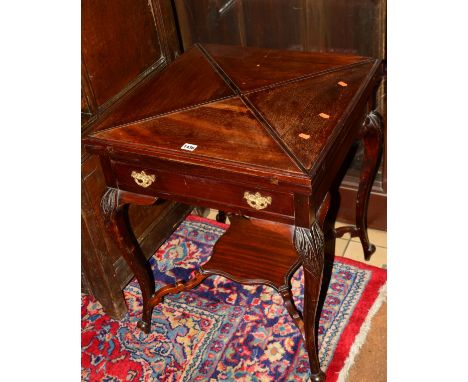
<point>188,147</point>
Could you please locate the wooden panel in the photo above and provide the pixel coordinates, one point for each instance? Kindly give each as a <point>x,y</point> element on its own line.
<point>377,203</point>
<point>356,26</point>
<point>255,68</point>
<point>97,256</point>
<point>272,23</point>
<point>268,255</point>
<point>196,188</point>
<point>318,103</point>
<point>225,130</point>
<point>175,88</point>
<point>198,19</point>
<point>84,103</point>
<point>95,185</point>
<point>266,23</point>
<point>119,42</point>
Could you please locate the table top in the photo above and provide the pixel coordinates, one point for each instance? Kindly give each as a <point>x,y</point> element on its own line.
<point>259,111</point>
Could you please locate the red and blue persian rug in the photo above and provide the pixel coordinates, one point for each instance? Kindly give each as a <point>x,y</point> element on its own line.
<point>221,330</point>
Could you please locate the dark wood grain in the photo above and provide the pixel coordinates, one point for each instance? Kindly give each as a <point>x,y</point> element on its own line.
<point>124,44</point>
<point>250,159</point>
<point>296,108</point>
<point>198,188</point>
<point>269,244</point>
<point>355,27</point>
<point>319,25</point>
<point>309,244</point>
<point>174,89</point>
<point>372,136</point>
<point>376,219</point>
<point>178,287</point>
<point>113,205</point>
<point>135,42</point>
<point>98,273</point>
<point>226,15</point>
<point>255,68</point>
<point>216,128</point>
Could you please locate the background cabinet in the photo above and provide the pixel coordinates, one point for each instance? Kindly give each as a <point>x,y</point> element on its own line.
<point>124,43</point>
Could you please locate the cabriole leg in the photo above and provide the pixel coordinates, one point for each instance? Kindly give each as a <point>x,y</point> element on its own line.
<point>372,139</point>
<point>114,210</point>
<point>371,135</point>
<point>309,244</point>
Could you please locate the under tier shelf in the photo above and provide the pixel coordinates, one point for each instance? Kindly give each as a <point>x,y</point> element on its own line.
<point>254,251</point>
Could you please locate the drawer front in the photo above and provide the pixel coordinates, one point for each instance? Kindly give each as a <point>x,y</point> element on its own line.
<point>165,184</point>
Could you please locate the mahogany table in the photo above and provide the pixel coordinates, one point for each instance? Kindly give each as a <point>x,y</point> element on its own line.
<point>260,134</point>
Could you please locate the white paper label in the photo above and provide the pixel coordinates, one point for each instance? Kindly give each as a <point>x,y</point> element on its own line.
<point>188,147</point>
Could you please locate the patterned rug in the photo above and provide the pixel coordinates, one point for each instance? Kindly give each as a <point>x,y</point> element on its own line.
<point>221,330</point>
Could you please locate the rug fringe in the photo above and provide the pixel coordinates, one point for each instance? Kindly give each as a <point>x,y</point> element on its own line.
<point>361,337</point>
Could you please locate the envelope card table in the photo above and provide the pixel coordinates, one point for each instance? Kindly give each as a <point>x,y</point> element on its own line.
<point>259,134</point>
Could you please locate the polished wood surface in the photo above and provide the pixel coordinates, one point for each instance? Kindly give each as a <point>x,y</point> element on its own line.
<point>182,78</point>
<point>341,26</point>
<point>266,258</point>
<point>315,106</point>
<point>156,132</point>
<point>355,27</point>
<point>372,137</point>
<point>256,68</point>
<point>271,153</point>
<point>134,41</point>
<point>215,127</point>
<point>124,44</point>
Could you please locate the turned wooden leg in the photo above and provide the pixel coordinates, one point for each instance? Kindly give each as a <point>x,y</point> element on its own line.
<point>309,244</point>
<point>372,138</point>
<point>114,210</point>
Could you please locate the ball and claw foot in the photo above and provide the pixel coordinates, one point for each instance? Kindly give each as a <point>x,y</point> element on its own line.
<point>320,377</point>
<point>143,326</point>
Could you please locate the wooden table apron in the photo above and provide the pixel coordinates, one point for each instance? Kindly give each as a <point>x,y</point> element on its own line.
<point>286,210</point>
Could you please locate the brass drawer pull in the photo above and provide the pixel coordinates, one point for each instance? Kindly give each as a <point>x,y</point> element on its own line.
<point>256,200</point>
<point>142,179</point>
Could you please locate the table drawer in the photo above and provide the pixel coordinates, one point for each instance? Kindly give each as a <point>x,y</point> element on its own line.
<point>165,184</point>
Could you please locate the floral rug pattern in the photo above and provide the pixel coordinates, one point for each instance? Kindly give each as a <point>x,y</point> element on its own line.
<point>221,330</point>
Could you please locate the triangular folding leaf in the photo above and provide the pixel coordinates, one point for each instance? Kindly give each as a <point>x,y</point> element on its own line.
<point>188,81</point>
<point>254,68</point>
<point>305,112</point>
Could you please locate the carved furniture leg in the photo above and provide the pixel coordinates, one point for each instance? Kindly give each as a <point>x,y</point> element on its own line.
<point>372,137</point>
<point>309,244</point>
<point>114,209</point>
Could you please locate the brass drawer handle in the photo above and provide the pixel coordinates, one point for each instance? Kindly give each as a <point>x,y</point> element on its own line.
<point>256,200</point>
<point>142,179</point>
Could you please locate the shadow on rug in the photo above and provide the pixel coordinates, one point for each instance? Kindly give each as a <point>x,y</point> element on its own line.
<point>221,330</point>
